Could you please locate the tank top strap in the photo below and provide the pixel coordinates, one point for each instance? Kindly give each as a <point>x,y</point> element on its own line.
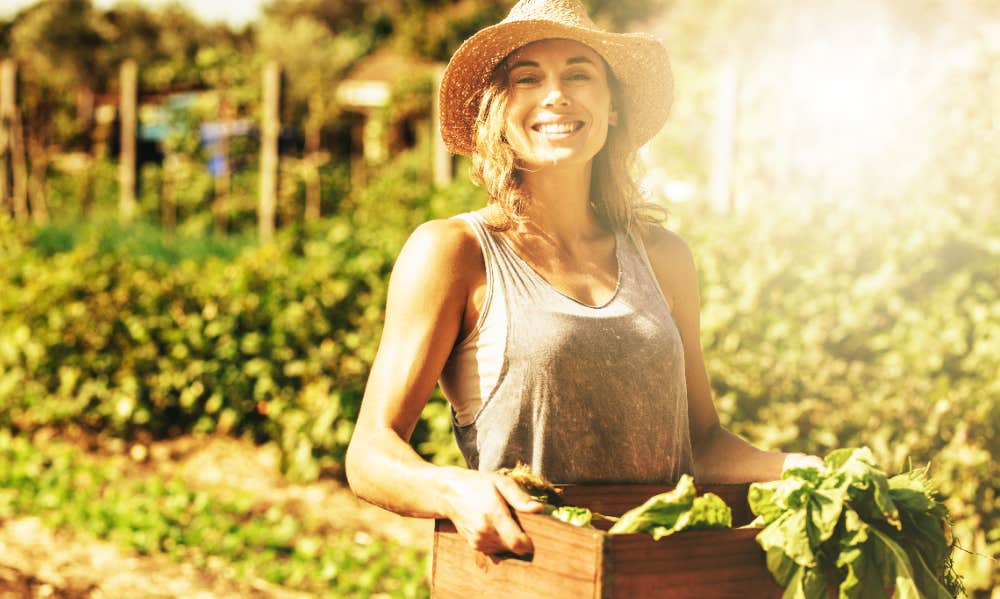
<point>503,267</point>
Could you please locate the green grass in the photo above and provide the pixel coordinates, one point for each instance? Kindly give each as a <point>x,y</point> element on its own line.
<point>139,239</point>
<point>153,515</point>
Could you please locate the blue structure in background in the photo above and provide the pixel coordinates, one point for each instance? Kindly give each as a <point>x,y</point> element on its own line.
<point>157,122</point>
<point>213,133</point>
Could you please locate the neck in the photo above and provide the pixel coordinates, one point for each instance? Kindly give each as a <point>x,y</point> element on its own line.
<point>559,202</point>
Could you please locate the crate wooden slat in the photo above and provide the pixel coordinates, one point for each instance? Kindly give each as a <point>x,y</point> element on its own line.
<point>572,562</point>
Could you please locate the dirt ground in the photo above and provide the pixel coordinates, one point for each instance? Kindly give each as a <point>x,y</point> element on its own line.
<point>36,562</point>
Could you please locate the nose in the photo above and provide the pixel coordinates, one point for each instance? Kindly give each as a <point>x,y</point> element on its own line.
<point>555,97</point>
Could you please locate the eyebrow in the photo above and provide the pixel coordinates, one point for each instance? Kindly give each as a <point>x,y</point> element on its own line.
<point>569,61</point>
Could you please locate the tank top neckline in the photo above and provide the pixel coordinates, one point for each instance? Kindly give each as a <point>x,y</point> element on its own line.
<point>545,282</point>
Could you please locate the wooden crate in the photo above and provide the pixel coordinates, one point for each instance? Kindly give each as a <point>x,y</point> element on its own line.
<point>572,562</point>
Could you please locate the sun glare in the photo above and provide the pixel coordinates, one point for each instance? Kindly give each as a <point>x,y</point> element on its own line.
<point>814,102</point>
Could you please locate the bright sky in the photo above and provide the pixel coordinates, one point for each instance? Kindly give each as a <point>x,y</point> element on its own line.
<point>234,12</point>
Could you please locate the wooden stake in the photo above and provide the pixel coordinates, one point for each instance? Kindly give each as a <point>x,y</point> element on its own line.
<point>36,180</point>
<point>126,159</point>
<point>168,205</point>
<point>724,140</point>
<point>19,163</point>
<point>269,152</point>
<point>310,170</point>
<point>442,157</point>
<point>7,77</point>
<point>223,178</point>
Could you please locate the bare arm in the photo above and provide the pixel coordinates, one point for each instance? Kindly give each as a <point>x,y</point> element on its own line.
<point>428,292</point>
<point>719,455</point>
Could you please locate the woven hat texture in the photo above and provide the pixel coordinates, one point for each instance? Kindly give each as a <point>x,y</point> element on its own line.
<point>639,61</point>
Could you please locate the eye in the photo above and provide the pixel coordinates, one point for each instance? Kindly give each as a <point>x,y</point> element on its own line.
<point>525,80</point>
<point>580,76</point>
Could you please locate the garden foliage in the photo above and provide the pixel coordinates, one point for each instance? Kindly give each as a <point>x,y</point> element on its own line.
<point>822,328</point>
<point>213,529</point>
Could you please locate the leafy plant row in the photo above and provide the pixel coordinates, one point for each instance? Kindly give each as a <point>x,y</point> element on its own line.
<point>272,342</point>
<point>155,515</point>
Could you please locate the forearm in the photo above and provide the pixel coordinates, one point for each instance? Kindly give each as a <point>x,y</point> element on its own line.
<point>722,457</point>
<point>384,470</point>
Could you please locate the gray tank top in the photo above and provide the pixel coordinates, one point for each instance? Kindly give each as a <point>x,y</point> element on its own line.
<point>585,394</point>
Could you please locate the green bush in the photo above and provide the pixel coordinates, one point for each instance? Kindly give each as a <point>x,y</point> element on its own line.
<point>130,333</point>
<point>827,329</point>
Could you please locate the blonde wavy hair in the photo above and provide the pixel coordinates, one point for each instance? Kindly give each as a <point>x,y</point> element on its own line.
<point>615,197</point>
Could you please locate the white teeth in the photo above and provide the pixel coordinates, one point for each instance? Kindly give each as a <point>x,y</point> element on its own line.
<point>557,128</point>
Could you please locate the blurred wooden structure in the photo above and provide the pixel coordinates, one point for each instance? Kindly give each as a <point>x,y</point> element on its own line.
<point>368,90</point>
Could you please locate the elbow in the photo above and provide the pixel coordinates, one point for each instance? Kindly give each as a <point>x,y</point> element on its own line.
<point>353,467</point>
<point>702,440</point>
<point>702,444</point>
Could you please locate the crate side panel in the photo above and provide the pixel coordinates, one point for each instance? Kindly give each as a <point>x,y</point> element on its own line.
<point>690,565</point>
<point>567,562</point>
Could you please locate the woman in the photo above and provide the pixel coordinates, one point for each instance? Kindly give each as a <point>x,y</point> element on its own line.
<point>562,326</point>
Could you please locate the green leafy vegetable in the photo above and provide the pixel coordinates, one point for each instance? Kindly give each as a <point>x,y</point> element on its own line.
<point>680,509</point>
<point>853,527</point>
<point>577,516</point>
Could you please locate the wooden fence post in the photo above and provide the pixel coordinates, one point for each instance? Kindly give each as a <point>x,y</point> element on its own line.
<point>269,151</point>
<point>12,117</point>
<point>442,157</point>
<point>126,158</point>
<point>6,122</point>
<point>223,175</point>
<point>724,140</point>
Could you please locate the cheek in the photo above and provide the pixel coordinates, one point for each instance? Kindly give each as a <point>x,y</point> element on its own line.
<point>515,124</point>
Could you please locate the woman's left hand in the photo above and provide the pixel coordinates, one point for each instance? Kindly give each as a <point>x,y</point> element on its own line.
<point>802,460</point>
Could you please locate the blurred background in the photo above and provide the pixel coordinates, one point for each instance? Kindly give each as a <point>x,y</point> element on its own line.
<point>200,204</point>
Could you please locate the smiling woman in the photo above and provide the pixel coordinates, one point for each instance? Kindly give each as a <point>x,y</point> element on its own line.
<point>559,106</point>
<point>560,320</point>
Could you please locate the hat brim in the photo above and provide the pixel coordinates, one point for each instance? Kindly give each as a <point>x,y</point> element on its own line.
<point>638,61</point>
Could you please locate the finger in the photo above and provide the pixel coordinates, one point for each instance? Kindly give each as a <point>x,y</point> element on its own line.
<point>510,534</point>
<point>514,495</point>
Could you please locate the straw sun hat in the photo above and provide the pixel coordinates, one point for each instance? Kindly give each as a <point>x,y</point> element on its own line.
<point>639,62</point>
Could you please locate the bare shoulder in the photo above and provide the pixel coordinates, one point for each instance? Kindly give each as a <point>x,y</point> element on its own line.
<point>447,236</point>
<point>666,249</point>
<point>445,249</point>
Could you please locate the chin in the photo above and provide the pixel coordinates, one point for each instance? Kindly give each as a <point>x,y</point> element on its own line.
<point>556,158</point>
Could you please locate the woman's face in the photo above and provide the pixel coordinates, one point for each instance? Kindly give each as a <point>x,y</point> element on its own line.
<point>559,105</point>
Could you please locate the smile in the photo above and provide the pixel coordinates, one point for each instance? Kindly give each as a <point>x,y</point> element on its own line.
<point>563,128</point>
